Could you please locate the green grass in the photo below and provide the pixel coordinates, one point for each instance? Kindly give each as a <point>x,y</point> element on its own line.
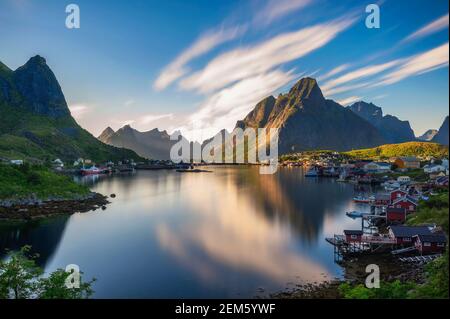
<point>422,149</point>
<point>18,182</point>
<point>24,135</point>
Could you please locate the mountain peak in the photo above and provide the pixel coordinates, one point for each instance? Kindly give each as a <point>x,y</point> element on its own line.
<point>366,109</point>
<point>36,60</point>
<point>307,88</point>
<point>36,82</point>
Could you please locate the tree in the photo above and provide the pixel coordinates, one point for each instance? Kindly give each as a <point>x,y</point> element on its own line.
<point>54,287</point>
<point>21,278</point>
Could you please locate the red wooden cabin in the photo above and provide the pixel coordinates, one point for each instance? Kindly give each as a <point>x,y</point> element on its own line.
<point>352,236</point>
<point>430,244</point>
<point>395,215</point>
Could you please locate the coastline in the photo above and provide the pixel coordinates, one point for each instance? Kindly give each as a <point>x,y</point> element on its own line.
<point>29,209</point>
<point>390,270</point>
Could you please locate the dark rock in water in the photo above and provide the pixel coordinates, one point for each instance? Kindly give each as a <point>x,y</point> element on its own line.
<point>112,195</point>
<point>103,207</point>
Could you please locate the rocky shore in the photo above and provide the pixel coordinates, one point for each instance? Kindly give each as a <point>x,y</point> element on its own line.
<point>32,208</point>
<point>391,269</point>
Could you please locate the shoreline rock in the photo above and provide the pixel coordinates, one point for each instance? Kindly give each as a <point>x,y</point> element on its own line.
<point>33,208</point>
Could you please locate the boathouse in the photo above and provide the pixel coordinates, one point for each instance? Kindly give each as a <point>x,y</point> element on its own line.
<point>404,234</point>
<point>407,202</point>
<point>382,199</point>
<point>395,215</point>
<point>353,235</point>
<point>434,243</point>
<point>398,193</point>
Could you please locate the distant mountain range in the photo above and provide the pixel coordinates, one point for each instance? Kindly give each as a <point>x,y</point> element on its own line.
<point>152,144</point>
<point>428,135</point>
<point>391,128</point>
<point>36,122</point>
<point>307,121</point>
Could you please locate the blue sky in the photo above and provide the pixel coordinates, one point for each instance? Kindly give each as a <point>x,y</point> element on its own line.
<point>199,66</point>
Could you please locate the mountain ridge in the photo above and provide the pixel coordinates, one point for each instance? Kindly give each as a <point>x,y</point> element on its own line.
<point>37,123</point>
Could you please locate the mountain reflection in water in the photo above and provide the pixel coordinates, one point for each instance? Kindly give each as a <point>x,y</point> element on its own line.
<point>230,233</point>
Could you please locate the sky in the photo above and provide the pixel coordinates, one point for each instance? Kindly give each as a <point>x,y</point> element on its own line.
<point>199,66</point>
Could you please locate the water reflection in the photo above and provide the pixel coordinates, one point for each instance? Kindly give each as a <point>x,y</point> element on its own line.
<point>221,234</point>
<point>43,235</point>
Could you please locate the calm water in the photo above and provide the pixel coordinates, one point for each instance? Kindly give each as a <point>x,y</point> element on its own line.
<point>230,233</point>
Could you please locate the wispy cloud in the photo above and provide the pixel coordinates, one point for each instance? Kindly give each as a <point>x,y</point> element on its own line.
<point>78,110</point>
<point>276,9</point>
<point>247,62</point>
<point>222,109</point>
<point>433,27</point>
<point>349,100</point>
<point>204,44</point>
<point>334,72</point>
<point>149,118</point>
<point>419,64</point>
<point>359,74</point>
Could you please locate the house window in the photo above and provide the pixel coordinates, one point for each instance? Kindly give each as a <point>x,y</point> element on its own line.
<point>427,244</point>
<point>440,244</point>
<point>353,237</point>
<point>407,239</point>
<point>411,207</point>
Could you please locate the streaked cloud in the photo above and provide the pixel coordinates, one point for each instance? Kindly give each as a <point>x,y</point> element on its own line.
<point>359,74</point>
<point>276,9</point>
<point>78,110</point>
<point>349,100</point>
<point>419,64</point>
<point>334,72</point>
<point>149,118</point>
<point>247,62</point>
<point>225,107</point>
<point>204,44</point>
<point>433,27</point>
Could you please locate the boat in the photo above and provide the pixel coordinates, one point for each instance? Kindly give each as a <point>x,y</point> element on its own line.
<point>196,170</point>
<point>363,200</point>
<point>91,171</point>
<point>355,214</point>
<point>313,172</point>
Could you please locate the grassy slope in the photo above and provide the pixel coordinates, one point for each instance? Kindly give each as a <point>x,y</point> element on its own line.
<point>28,136</point>
<point>18,182</point>
<point>402,149</point>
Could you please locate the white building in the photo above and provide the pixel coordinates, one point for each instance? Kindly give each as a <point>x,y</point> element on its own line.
<point>378,167</point>
<point>404,179</point>
<point>434,168</point>
<point>16,162</point>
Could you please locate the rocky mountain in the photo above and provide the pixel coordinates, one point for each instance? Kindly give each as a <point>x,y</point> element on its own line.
<point>428,135</point>
<point>308,121</point>
<point>442,136</point>
<point>36,122</point>
<point>152,144</point>
<point>392,129</point>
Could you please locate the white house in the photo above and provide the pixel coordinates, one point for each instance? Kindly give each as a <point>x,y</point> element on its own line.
<point>378,167</point>
<point>58,163</point>
<point>16,162</point>
<point>434,168</point>
<point>404,179</point>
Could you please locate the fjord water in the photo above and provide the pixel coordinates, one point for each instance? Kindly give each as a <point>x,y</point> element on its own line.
<point>230,233</point>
